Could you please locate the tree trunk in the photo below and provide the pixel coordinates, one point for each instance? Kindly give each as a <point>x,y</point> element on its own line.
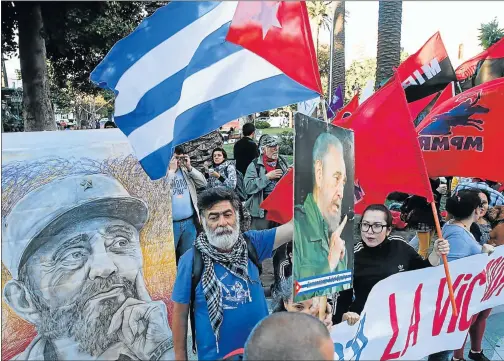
<point>200,150</point>
<point>389,40</point>
<point>37,110</point>
<point>317,41</point>
<point>339,48</point>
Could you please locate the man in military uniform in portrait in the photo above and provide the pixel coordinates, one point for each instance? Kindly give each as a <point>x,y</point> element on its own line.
<point>318,247</point>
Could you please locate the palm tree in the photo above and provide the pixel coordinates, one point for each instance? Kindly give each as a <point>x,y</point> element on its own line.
<point>389,39</point>
<point>319,14</point>
<point>490,33</point>
<point>338,53</point>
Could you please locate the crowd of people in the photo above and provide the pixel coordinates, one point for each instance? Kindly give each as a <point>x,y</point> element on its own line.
<point>222,236</point>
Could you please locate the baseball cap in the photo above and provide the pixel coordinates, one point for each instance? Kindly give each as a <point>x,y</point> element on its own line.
<point>268,141</point>
<point>45,211</point>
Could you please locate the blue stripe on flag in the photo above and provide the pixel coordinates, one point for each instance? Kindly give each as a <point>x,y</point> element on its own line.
<point>165,95</point>
<point>204,118</point>
<point>164,23</point>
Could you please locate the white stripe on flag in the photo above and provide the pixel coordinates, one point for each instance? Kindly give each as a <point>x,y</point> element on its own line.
<point>210,83</point>
<point>167,58</point>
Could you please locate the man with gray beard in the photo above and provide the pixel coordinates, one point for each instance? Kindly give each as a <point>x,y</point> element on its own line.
<point>318,247</point>
<point>229,299</point>
<point>72,247</point>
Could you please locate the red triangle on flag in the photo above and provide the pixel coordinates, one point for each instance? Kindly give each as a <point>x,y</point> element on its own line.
<point>279,32</point>
<point>297,288</point>
<point>416,107</point>
<point>448,92</point>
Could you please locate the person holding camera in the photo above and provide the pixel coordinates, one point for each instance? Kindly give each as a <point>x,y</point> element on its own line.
<point>184,180</point>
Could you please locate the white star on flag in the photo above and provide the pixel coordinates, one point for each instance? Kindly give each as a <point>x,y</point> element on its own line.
<point>335,99</point>
<point>268,17</point>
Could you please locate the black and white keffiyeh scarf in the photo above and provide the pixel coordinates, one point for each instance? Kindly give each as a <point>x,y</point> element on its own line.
<point>235,262</point>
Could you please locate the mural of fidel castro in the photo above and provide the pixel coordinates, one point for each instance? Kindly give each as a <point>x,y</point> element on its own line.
<point>72,247</point>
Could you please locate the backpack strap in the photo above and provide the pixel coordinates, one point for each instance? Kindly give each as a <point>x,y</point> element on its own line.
<point>252,253</point>
<point>197,271</point>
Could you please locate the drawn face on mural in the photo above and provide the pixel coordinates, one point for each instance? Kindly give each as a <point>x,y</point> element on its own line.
<point>78,280</point>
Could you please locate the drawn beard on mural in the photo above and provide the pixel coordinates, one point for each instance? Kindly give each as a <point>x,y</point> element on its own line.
<point>87,319</point>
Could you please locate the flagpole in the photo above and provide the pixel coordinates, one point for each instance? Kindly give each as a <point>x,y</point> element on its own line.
<point>323,299</point>
<point>445,261</point>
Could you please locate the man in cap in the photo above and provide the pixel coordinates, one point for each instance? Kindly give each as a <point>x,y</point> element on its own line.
<point>72,247</point>
<point>318,247</point>
<point>261,178</point>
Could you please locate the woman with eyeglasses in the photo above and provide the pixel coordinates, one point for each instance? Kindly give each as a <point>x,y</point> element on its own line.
<point>379,255</point>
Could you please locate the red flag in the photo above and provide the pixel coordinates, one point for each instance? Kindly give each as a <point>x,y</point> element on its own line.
<point>280,203</point>
<point>280,33</point>
<point>347,110</point>
<point>447,94</point>
<point>387,157</point>
<point>417,106</point>
<point>468,68</point>
<point>463,136</point>
<point>427,71</point>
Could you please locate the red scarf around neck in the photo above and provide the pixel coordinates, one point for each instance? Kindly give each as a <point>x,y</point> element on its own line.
<point>269,164</point>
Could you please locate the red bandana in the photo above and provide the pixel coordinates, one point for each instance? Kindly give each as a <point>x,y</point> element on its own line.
<point>269,164</point>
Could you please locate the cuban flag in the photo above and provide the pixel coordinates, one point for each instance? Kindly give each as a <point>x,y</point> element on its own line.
<point>194,66</point>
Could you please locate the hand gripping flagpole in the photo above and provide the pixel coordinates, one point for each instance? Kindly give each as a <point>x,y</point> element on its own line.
<point>445,261</point>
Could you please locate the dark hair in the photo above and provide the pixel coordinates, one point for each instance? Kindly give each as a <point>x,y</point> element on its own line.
<point>462,204</point>
<point>210,197</point>
<point>110,123</point>
<point>179,150</point>
<point>398,196</point>
<point>248,129</point>
<point>486,193</point>
<point>381,208</point>
<point>224,153</point>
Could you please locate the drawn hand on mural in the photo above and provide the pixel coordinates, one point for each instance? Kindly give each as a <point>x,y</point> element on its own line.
<point>142,326</point>
<point>337,246</point>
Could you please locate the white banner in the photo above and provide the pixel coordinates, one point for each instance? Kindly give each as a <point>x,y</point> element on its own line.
<point>409,316</point>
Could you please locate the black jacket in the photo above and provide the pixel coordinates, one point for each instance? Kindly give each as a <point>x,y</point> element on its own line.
<point>245,151</point>
<point>372,265</point>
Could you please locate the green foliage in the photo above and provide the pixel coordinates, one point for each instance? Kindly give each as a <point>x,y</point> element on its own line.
<point>261,124</point>
<point>78,35</point>
<point>286,143</point>
<point>357,76</point>
<point>318,11</point>
<point>324,65</point>
<point>490,33</point>
<point>360,72</point>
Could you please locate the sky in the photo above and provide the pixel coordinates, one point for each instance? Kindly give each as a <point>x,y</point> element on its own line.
<point>458,22</point>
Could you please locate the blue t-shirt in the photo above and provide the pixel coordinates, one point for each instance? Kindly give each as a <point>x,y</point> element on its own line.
<point>243,305</point>
<point>181,198</point>
<point>462,242</point>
